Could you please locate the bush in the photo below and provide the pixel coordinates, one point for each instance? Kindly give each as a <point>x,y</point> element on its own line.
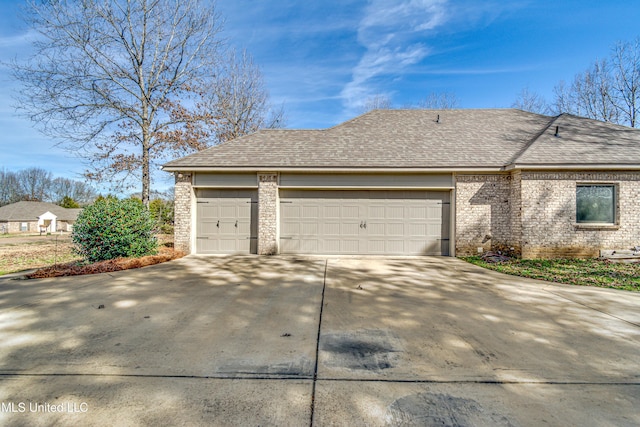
<point>112,228</point>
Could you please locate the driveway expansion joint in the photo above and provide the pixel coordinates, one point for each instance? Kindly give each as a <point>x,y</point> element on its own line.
<point>315,368</point>
<point>592,308</point>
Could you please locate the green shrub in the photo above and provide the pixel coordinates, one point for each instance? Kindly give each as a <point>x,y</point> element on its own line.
<point>112,228</point>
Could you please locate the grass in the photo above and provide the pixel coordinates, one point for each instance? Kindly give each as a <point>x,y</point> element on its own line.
<point>581,272</point>
<point>19,257</point>
<point>40,252</point>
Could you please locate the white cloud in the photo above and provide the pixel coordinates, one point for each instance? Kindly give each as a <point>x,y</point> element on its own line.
<point>392,36</point>
<point>18,40</point>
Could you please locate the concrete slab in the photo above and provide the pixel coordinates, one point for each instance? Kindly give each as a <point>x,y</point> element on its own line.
<point>152,401</point>
<point>232,341</point>
<point>225,317</point>
<point>466,404</point>
<point>441,319</point>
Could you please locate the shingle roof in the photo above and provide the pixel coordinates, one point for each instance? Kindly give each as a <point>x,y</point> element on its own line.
<point>30,211</point>
<point>489,138</point>
<point>583,141</point>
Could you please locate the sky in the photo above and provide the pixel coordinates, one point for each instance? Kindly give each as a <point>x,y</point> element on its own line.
<point>322,59</point>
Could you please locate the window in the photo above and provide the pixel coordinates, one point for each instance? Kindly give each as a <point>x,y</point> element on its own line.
<point>24,226</point>
<point>596,203</point>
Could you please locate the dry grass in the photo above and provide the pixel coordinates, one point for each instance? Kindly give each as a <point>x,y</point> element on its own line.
<point>77,268</point>
<point>40,253</point>
<point>54,256</point>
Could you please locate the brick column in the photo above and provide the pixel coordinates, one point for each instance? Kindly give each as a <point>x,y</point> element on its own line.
<point>267,213</point>
<point>182,212</point>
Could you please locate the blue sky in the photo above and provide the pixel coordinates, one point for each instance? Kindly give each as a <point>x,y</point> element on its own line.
<point>321,59</point>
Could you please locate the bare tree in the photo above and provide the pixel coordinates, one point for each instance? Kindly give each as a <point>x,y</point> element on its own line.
<point>105,74</point>
<point>239,102</point>
<point>9,187</point>
<point>625,61</point>
<point>34,184</point>
<point>609,90</point>
<point>531,101</point>
<point>376,102</point>
<point>439,101</point>
<point>79,191</point>
<point>590,94</point>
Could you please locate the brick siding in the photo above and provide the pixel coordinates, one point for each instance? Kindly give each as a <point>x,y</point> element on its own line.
<point>483,214</point>
<point>533,214</point>
<point>267,214</point>
<point>182,219</point>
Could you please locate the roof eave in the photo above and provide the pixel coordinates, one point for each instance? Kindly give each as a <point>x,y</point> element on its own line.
<point>221,169</point>
<point>572,166</point>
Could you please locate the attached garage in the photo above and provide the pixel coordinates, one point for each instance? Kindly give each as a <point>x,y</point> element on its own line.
<point>378,222</point>
<point>226,221</point>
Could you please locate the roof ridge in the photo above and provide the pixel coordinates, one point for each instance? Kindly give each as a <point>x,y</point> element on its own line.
<point>528,145</point>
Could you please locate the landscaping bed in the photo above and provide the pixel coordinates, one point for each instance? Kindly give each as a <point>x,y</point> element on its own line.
<point>80,268</point>
<point>582,272</point>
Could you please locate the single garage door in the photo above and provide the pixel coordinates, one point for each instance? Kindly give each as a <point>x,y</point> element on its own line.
<point>226,221</point>
<point>364,222</point>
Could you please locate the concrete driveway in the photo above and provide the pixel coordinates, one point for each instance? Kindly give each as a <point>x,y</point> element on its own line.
<point>300,341</point>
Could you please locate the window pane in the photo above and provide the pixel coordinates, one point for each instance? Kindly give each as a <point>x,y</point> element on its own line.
<point>595,203</point>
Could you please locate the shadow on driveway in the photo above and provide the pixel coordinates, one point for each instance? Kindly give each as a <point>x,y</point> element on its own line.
<point>234,341</point>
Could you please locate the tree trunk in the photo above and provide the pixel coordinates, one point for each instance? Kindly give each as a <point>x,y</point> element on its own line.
<point>146,177</point>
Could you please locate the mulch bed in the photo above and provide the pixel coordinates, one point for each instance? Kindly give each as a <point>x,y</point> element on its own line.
<point>77,269</point>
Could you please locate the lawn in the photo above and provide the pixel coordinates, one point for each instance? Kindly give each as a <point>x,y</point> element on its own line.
<point>582,272</point>
<point>34,252</point>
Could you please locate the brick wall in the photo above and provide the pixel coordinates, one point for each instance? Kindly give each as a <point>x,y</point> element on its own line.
<point>267,213</point>
<point>182,219</point>
<point>483,213</point>
<point>515,214</point>
<point>549,226</point>
<point>14,227</point>
<point>535,214</point>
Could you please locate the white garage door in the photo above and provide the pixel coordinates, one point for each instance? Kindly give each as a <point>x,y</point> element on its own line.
<point>226,221</point>
<point>365,222</point>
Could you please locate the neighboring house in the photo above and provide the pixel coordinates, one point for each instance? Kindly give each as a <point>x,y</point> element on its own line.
<point>34,217</point>
<point>416,182</point>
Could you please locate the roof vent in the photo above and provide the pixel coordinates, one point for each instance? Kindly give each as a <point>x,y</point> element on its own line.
<point>557,135</point>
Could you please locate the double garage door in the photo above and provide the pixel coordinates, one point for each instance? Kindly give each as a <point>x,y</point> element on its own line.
<point>328,222</point>
<point>365,222</point>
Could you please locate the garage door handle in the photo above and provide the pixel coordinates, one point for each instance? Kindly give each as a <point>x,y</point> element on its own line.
<point>236,223</point>
<point>365,224</point>
<point>218,224</point>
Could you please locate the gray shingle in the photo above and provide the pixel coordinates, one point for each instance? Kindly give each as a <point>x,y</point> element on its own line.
<point>30,211</point>
<point>416,139</point>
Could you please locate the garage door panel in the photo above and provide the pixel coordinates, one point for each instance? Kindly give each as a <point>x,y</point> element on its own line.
<point>397,222</point>
<point>331,211</point>
<point>330,246</point>
<point>350,212</point>
<point>348,246</point>
<point>330,229</point>
<point>349,229</point>
<point>395,246</point>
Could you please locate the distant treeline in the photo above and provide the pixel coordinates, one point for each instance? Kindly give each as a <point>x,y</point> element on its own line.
<point>36,184</point>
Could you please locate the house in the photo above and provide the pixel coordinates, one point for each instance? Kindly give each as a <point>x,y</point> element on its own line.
<point>34,217</point>
<point>416,182</point>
